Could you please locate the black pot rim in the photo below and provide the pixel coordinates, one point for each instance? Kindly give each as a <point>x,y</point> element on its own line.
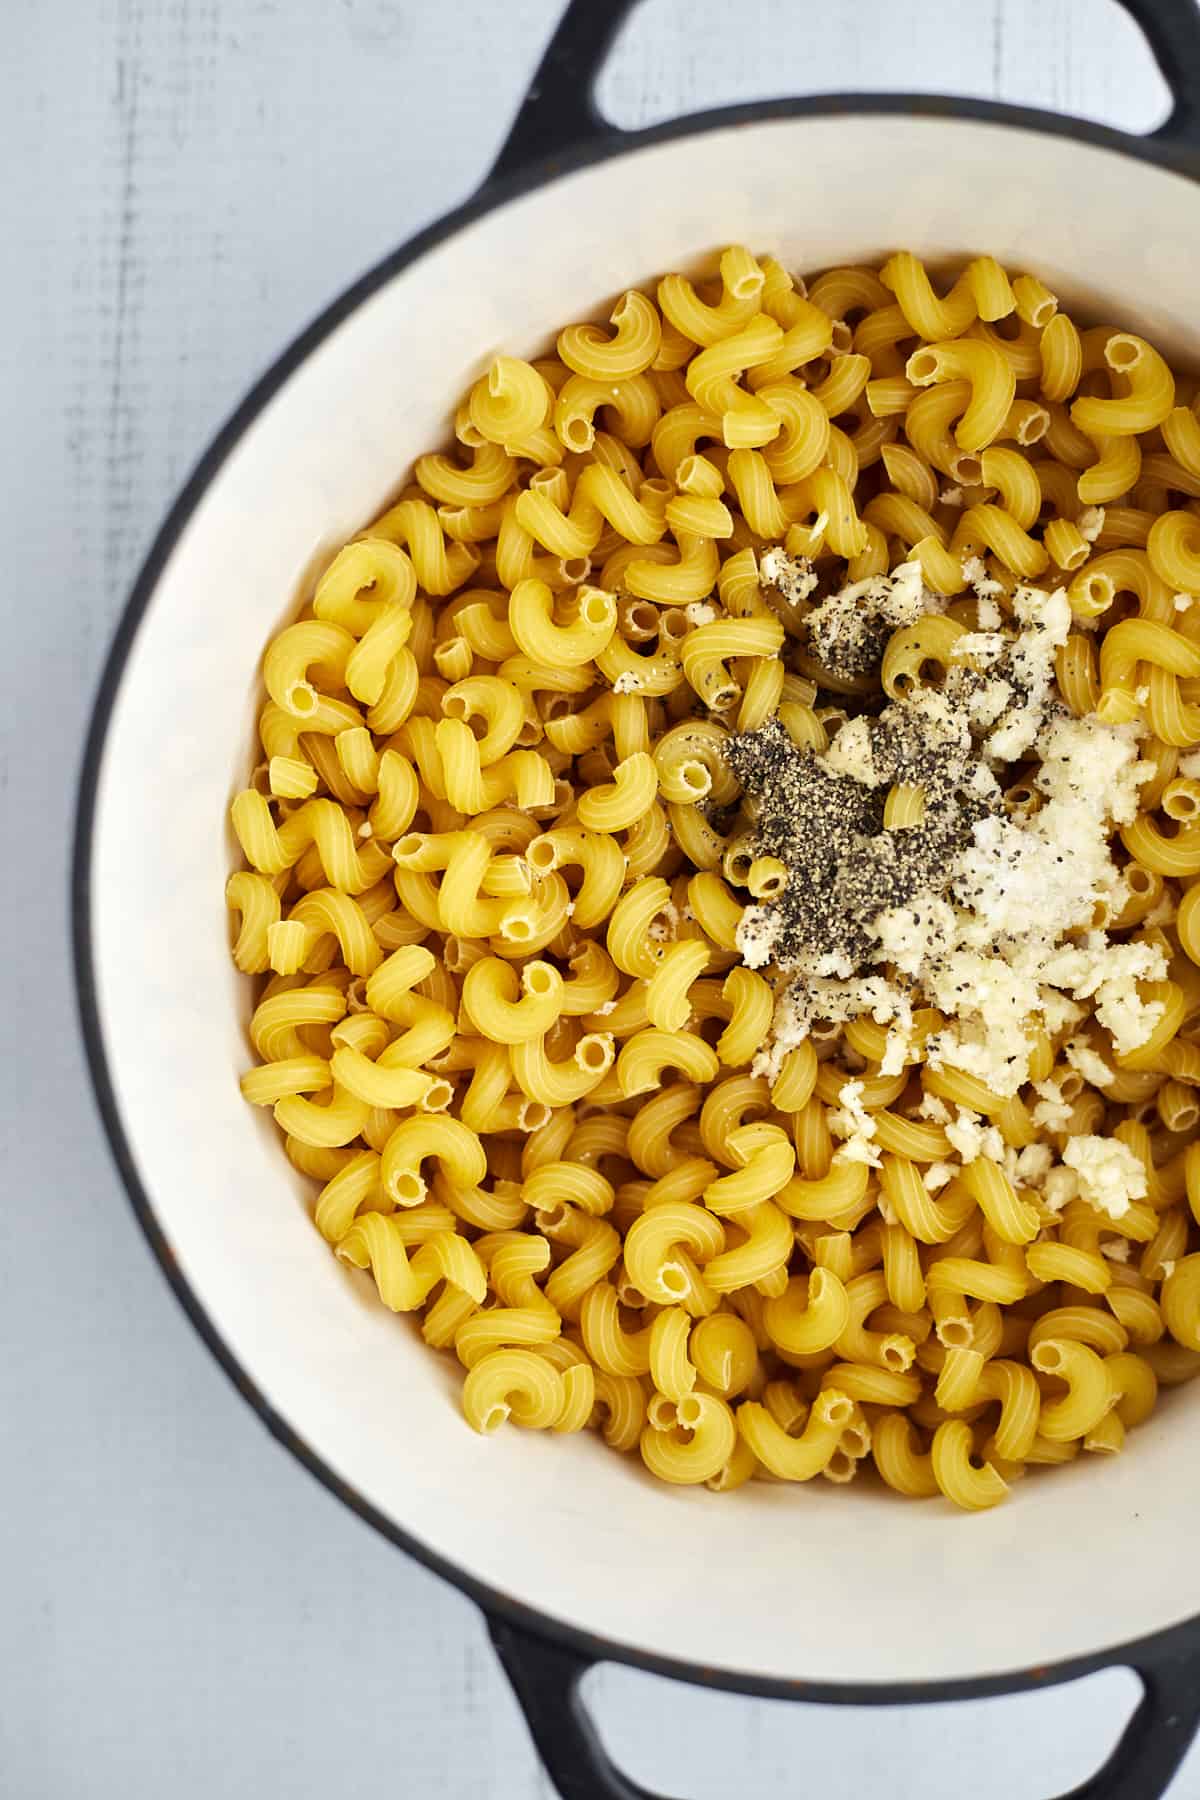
<point>1155,1647</point>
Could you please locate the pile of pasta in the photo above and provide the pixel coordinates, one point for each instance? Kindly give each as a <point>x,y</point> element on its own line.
<point>496,870</point>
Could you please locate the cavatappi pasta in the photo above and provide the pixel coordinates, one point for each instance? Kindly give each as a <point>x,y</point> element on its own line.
<point>496,868</point>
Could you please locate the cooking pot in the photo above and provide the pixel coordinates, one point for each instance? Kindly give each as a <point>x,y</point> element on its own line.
<point>826,1594</point>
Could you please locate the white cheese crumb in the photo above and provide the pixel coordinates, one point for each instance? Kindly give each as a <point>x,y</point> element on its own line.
<point>988,613</point>
<point>1052,1112</point>
<point>855,1126</point>
<point>1046,622</point>
<point>757,930</point>
<point>983,647</point>
<point>951,496</point>
<point>972,1138</point>
<point>934,1108</point>
<point>989,702</point>
<point>627,682</point>
<point>602,1011</point>
<point>856,1150</point>
<point>1167,1265</point>
<point>1189,765</point>
<point>965,1134</point>
<point>1059,1013</point>
<point>937,1174</point>
<point>908,939</point>
<point>700,612</point>
<point>794,576</point>
<point>1106,973</point>
<point>1116,1250</point>
<point>1093,1068</point>
<point>1110,1175</point>
<point>1098,769</point>
<point>975,570</point>
<point>896,1050</point>
<point>1090,523</point>
<point>1060,1188</point>
<point>837,625</point>
<point>980,781</point>
<point>1028,1167</point>
<point>1183,601</point>
<point>850,752</point>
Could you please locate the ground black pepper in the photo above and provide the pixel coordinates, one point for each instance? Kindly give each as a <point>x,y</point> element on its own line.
<point>847,653</point>
<point>845,868</point>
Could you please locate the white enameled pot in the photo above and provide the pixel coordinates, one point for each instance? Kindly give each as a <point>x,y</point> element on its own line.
<point>573,1552</point>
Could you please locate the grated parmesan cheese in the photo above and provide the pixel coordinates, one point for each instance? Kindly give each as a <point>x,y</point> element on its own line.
<point>757,930</point>
<point>975,570</point>
<point>1060,1188</point>
<point>983,647</point>
<point>850,753</point>
<point>972,1138</point>
<point>800,1005</point>
<point>1046,619</point>
<point>1093,1068</point>
<point>1052,1111</point>
<point>1110,1175</point>
<point>1028,1167</point>
<point>854,1125</point>
<point>793,576</point>
<point>897,1050</point>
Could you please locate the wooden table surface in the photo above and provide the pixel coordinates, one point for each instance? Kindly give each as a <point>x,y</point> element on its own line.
<point>183,1612</point>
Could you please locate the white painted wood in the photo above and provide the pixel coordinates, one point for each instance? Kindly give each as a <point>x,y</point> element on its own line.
<point>322,457</point>
<point>184,1610</point>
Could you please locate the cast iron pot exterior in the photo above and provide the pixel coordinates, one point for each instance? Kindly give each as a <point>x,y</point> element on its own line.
<point>558,134</point>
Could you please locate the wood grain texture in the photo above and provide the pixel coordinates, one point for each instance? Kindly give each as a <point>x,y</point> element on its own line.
<point>188,182</point>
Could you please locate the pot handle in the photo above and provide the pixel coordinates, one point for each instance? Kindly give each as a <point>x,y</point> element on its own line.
<point>559,113</point>
<point>546,1678</point>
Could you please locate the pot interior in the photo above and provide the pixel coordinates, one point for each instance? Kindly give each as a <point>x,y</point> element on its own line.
<point>819,1583</point>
